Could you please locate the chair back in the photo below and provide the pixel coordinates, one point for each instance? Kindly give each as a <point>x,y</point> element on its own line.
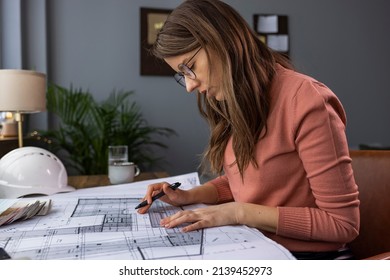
<point>372,174</point>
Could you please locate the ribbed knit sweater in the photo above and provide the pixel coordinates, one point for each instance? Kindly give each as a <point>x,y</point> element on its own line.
<point>304,168</point>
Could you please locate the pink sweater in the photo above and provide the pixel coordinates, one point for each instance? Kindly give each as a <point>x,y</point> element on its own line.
<point>304,168</point>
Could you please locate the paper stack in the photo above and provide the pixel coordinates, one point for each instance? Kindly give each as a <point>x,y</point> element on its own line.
<point>12,210</point>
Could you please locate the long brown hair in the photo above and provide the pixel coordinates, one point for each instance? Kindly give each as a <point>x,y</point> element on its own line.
<point>249,66</point>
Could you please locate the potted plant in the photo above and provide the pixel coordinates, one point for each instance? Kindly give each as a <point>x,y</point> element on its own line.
<point>86,128</point>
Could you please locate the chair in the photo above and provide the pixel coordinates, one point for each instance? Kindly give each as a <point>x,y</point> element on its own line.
<point>372,174</point>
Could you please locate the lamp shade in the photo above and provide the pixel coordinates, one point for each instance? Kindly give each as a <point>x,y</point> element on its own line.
<point>22,91</point>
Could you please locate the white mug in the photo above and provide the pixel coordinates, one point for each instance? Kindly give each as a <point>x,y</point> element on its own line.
<point>122,172</point>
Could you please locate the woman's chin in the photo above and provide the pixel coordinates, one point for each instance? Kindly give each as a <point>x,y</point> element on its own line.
<point>218,96</point>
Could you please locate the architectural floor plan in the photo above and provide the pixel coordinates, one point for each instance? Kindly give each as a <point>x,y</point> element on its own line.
<point>101,223</point>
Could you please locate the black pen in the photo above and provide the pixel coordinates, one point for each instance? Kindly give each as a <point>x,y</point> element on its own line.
<point>174,186</point>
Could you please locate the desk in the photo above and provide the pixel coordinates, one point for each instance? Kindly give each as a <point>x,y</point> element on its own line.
<point>88,181</point>
<point>101,223</point>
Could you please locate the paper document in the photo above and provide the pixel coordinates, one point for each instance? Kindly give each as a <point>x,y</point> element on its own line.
<point>12,210</point>
<point>101,223</point>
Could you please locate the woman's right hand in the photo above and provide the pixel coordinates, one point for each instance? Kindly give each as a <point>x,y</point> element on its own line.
<point>176,197</point>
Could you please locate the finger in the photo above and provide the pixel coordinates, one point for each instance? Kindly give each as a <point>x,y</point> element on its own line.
<point>165,221</point>
<point>179,218</point>
<point>193,226</point>
<point>143,210</point>
<point>168,191</point>
<point>152,190</point>
<point>156,186</point>
<point>149,200</point>
<point>166,188</point>
<point>153,187</point>
<point>175,197</point>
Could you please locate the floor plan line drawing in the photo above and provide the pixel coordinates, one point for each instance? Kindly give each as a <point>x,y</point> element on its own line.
<point>70,242</point>
<point>102,224</point>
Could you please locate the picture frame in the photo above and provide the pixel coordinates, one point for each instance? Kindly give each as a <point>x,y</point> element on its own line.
<point>152,20</point>
<point>272,30</point>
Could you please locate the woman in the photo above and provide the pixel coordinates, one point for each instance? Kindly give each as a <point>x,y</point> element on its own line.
<point>277,137</point>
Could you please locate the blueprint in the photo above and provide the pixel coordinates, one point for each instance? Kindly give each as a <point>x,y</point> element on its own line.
<point>101,223</point>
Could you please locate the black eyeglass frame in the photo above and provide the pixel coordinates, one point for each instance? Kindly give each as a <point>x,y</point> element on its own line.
<point>185,71</point>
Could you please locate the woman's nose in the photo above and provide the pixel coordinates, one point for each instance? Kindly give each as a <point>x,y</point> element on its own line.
<point>191,84</point>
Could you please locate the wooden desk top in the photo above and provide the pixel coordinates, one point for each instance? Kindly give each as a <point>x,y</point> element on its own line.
<point>88,181</point>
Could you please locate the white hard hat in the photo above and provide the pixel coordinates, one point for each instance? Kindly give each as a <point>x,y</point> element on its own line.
<point>32,170</point>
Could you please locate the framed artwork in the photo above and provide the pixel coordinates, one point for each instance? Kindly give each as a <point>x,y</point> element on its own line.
<point>273,31</point>
<point>152,21</point>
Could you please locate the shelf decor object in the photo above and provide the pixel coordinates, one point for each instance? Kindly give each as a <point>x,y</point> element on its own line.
<point>152,20</point>
<point>21,92</point>
<point>273,31</point>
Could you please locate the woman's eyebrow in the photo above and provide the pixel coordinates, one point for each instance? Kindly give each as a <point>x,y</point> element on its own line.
<point>188,59</point>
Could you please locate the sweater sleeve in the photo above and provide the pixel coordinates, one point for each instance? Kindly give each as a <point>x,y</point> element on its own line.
<point>318,127</point>
<point>222,185</point>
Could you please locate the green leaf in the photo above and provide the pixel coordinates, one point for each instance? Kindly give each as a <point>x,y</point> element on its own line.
<point>86,128</point>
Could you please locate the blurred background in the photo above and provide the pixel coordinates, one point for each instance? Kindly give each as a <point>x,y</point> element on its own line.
<point>95,45</point>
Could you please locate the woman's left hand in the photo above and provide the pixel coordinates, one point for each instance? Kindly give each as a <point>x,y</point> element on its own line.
<point>211,216</point>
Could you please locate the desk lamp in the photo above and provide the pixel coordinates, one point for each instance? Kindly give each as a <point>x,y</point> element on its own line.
<point>22,91</point>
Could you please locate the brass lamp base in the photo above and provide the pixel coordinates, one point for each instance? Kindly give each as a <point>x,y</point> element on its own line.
<point>19,120</point>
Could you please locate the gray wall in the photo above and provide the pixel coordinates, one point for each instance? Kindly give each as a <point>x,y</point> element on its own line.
<point>94,44</point>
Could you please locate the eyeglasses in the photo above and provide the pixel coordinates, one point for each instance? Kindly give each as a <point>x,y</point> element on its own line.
<point>185,71</point>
